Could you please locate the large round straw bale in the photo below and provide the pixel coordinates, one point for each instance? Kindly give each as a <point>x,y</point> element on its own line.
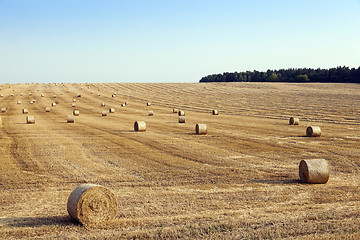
<point>181,119</point>
<point>313,131</point>
<point>34,101</point>
<point>30,119</point>
<point>314,171</point>
<point>76,112</point>
<point>104,113</point>
<point>47,109</point>
<point>42,95</point>
<point>103,104</point>
<point>140,126</point>
<point>148,104</point>
<point>31,102</point>
<point>21,94</point>
<point>181,113</point>
<point>54,96</point>
<point>113,95</point>
<point>53,104</point>
<point>92,205</point>
<point>111,110</point>
<point>73,104</point>
<point>175,110</point>
<point>215,112</point>
<point>126,103</point>
<point>30,94</point>
<point>294,121</point>
<point>25,111</point>
<point>79,95</point>
<point>18,102</point>
<point>123,105</point>
<point>74,100</point>
<point>3,110</point>
<point>200,129</point>
<point>70,118</point>
<point>151,113</point>
<point>1,95</point>
<point>98,94</point>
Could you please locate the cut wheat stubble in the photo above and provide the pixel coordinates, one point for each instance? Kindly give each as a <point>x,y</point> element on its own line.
<point>314,171</point>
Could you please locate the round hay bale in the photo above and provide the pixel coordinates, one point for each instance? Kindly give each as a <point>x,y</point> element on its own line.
<point>21,94</point>
<point>103,104</point>
<point>148,104</point>
<point>76,112</point>
<point>313,131</point>
<point>181,113</point>
<point>126,103</point>
<point>215,112</point>
<point>111,110</point>
<point>92,205</point>
<point>3,110</point>
<point>113,95</point>
<point>31,102</point>
<point>30,119</point>
<point>1,95</point>
<point>200,129</point>
<point>314,171</point>
<point>30,93</point>
<point>42,95</point>
<point>140,126</point>
<point>181,119</point>
<point>54,96</point>
<point>104,113</point>
<point>151,113</point>
<point>98,94</point>
<point>74,100</point>
<point>123,105</point>
<point>12,95</point>
<point>70,118</point>
<point>53,104</point>
<point>73,104</point>
<point>79,95</point>
<point>47,109</point>
<point>175,110</point>
<point>18,102</point>
<point>34,101</point>
<point>25,111</point>
<point>294,121</point>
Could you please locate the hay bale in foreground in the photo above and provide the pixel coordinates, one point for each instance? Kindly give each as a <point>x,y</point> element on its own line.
<point>313,131</point>
<point>215,112</point>
<point>30,119</point>
<point>25,111</point>
<point>111,110</point>
<point>181,119</point>
<point>76,112</point>
<point>70,118</point>
<point>181,113</point>
<point>140,126</point>
<point>92,205</point>
<point>314,171</point>
<point>47,109</point>
<point>294,121</point>
<point>104,113</point>
<point>151,113</point>
<point>200,129</point>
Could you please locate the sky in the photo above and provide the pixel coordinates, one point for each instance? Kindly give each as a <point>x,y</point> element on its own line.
<point>171,40</point>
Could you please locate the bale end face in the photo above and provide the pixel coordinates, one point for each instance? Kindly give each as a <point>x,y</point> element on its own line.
<point>294,121</point>
<point>140,126</point>
<point>201,129</point>
<point>313,131</point>
<point>314,171</point>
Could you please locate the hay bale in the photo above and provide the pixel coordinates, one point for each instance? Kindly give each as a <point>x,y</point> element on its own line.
<point>21,94</point>
<point>314,171</point>
<point>76,112</point>
<point>181,113</point>
<point>104,113</point>
<point>92,205</point>
<point>42,95</point>
<point>34,101</point>
<point>31,102</point>
<point>98,94</point>
<point>200,129</point>
<point>215,112</point>
<point>47,109</point>
<point>3,110</point>
<point>25,111</point>
<point>140,126</point>
<point>73,104</point>
<point>294,121</point>
<point>30,119</point>
<point>151,113</point>
<point>113,96</point>
<point>126,103</point>
<point>74,100</point>
<point>70,118</point>
<point>313,131</point>
<point>123,105</point>
<point>181,119</point>
<point>12,95</point>
<point>30,93</point>
<point>54,96</point>
<point>111,110</point>
<point>175,110</point>
<point>103,104</point>
<point>18,102</point>
<point>53,104</point>
<point>79,95</point>
<point>148,104</point>
<point>1,95</point>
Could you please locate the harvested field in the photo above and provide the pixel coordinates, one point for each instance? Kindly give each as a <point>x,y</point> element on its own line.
<point>241,180</point>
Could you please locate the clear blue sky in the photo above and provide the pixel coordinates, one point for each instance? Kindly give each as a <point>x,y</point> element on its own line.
<point>171,40</point>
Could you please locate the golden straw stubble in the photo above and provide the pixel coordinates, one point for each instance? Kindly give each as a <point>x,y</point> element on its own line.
<point>92,205</point>
<point>314,171</point>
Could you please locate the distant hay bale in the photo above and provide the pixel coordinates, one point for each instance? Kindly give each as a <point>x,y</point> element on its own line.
<point>1,95</point>
<point>113,95</point>
<point>61,93</point>
<point>21,94</point>
<point>104,113</point>
<point>294,121</point>
<point>111,110</point>
<point>148,104</point>
<point>76,112</point>
<point>215,112</point>
<point>42,95</point>
<point>34,101</point>
<point>181,113</point>
<point>70,118</point>
<point>181,119</point>
<point>47,109</point>
<point>54,96</point>
<point>25,111</point>
<point>175,110</point>
<point>74,100</point>
<point>79,95</point>
<point>123,105</point>
<point>31,102</point>
<point>30,119</point>
<point>30,94</point>
<point>151,113</point>
<point>53,104</point>
<point>313,131</point>
<point>18,102</point>
<point>200,129</point>
<point>12,95</point>
<point>126,103</point>
<point>314,171</point>
<point>140,126</point>
<point>3,110</point>
<point>98,94</point>
<point>92,205</point>
<point>103,104</point>
<point>73,104</point>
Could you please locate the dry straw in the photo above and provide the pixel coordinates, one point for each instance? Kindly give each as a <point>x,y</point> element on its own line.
<point>25,111</point>
<point>104,113</point>
<point>181,119</point>
<point>140,126</point>
<point>151,113</point>
<point>92,205</point>
<point>111,110</point>
<point>47,109</point>
<point>201,129</point>
<point>215,112</point>
<point>30,119</point>
<point>70,118</point>
<point>314,171</point>
<point>313,131</point>
<point>76,112</point>
<point>181,113</point>
<point>294,121</point>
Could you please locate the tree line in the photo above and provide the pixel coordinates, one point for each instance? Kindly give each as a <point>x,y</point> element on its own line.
<point>299,75</point>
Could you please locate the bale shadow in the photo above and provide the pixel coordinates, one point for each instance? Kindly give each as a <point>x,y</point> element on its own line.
<point>37,221</point>
<point>124,131</point>
<point>278,181</point>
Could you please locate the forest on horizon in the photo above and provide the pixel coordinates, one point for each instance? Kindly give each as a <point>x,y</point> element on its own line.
<point>297,75</point>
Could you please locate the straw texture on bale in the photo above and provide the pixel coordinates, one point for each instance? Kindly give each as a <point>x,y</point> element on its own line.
<point>30,119</point>
<point>25,111</point>
<point>314,171</point>
<point>313,131</point>
<point>70,118</point>
<point>294,121</point>
<point>53,104</point>
<point>151,113</point>
<point>175,110</point>
<point>181,113</point>
<point>200,129</point>
<point>215,112</point>
<point>111,110</point>
<point>3,110</point>
<point>181,119</point>
<point>47,109</point>
<point>148,104</point>
<point>104,113</point>
<point>140,126</point>
<point>92,205</point>
<point>76,112</point>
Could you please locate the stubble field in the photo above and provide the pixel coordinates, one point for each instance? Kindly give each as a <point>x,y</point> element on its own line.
<point>240,181</point>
